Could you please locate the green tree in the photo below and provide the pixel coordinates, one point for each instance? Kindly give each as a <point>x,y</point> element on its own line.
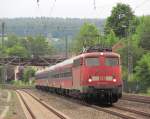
<point>111,38</point>
<point>135,51</point>
<point>88,36</point>
<point>28,73</point>
<point>143,71</point>
<point>38,46</point>
<point>26,47</point>
<point>120,20</point>
<point>143,32</point>
<point>11,41</point>
<point>17,50</point>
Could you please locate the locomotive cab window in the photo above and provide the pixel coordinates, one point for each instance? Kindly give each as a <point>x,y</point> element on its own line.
<point>111,61</point>
<point>92,61</point>
<point>77,62</point>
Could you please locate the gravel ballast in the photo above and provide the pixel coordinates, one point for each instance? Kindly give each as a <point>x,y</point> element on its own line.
<point>70,108</point>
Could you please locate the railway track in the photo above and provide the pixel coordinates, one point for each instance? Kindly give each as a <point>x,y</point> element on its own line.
<point>119,111</point>
<point>111,111</point>
<point>52,113</point>
<point>123,112</point>
<point>31,114</point>
<point>132,110</point>
<point>135,98</point>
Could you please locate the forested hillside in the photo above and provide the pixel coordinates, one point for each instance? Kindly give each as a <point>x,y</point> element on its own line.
<point>57,27</point>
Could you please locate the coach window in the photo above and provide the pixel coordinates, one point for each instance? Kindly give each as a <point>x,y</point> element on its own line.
<point>77,62</point>
<point>92,61</point>
<point>50,75</point>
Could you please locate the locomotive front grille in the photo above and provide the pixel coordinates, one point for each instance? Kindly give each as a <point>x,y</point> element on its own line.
<point>109,78</point>
<point>95,78</point>
<point>102,78</point>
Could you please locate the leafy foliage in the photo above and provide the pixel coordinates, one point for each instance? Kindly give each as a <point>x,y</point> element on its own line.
<point>57,27</point>
<point>135,51</point>
<point>88,36</point>
<point>17,50</point>
<point>143,71</point>
<point>29,72</point>
<point>111,38</point>
<point>27,47</point>
<point>139,55</point>
<point>11,41</point>
<point>143,32</point>
<point>120,20</point>
<point>38,46</point>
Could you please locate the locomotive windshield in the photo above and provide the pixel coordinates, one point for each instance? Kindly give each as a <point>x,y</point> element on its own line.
<point>92,61</point>
<point>111,61</point>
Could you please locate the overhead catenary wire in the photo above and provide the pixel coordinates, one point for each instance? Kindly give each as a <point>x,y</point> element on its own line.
<point>52,8</point>
<point>38,3</point>
<point>42,22</point>
<point>94,4</point>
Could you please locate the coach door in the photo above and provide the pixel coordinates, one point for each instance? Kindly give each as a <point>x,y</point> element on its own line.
<point>77,73</point>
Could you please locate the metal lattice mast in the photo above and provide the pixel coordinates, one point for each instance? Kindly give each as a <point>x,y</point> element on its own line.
<point>130,57</point>
<point>3,30</point>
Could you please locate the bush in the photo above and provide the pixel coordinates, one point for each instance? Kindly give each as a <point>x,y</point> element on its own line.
<point>28,73</point>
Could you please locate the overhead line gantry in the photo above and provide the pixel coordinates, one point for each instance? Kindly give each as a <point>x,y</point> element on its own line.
<point>36,61</point>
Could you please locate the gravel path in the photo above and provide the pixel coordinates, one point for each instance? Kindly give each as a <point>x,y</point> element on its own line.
<point>72,109</point>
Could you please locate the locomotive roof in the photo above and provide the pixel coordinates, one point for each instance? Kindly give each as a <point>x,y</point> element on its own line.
<point>70,60</point>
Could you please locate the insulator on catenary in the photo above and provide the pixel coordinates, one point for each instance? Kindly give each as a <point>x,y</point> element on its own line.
<point>38,3</point>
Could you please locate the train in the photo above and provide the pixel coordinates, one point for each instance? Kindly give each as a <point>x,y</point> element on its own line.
<point>94,74</point>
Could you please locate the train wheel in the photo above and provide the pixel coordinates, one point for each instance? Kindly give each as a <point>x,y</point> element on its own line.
<point>115,98</point>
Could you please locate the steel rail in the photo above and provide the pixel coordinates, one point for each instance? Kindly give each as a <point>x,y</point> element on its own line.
<point>132,110</point>
<point>136,99</point>
<point>124,116</point>
<point>26,105</point>
<point>115,113</point>
<point>46,106</point>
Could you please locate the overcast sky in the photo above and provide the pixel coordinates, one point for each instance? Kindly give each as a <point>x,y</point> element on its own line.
<point>67,8</point>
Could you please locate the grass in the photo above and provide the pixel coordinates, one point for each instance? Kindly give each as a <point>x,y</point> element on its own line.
<point>22,83</point>
<point>148,92</point>
<point>15,111</point>
<point>17,85</point>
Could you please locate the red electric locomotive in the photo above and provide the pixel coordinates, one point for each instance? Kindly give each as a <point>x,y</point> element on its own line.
<point>92,74</point>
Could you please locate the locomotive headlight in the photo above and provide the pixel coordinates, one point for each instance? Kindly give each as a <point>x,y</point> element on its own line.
<point>114,80</point>
<point>101,53</point>
<point>90,80</point>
